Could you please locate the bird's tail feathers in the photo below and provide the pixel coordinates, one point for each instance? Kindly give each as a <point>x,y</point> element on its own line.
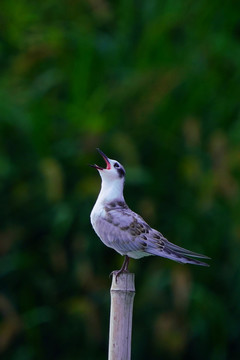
<point>179,250</point>
<point>179,254</point>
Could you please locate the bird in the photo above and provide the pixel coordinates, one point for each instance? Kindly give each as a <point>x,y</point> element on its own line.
<point>125,231</point>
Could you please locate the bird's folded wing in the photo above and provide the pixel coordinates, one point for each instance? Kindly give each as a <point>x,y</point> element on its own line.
<point>124,230</point>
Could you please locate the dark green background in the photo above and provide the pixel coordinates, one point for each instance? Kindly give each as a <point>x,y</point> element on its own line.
<point>156,85</point>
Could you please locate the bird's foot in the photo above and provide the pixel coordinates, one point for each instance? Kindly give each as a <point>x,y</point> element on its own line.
<point>124,268</point>
<point>118,272</point>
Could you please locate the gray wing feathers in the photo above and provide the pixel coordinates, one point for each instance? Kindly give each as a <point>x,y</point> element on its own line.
<point>127,232</point>
<point>179,257</point>
<point>117,230</point>
<point>177,253</point>
<point>180,250</point>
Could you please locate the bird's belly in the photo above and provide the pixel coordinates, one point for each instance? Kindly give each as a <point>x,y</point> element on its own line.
<point>137,254</point>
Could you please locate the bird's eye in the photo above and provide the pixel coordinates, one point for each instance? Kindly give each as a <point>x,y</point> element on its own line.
<point>116,165</point>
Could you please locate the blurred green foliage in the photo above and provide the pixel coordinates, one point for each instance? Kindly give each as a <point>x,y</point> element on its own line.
<point>154,84</point>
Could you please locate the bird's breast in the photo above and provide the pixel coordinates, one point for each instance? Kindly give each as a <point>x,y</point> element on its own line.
<point>97,214</point>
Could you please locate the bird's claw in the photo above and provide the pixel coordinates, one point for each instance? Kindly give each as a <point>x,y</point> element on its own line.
<point>118,272</point>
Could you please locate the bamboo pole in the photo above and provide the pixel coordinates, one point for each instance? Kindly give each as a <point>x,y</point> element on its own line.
<point>120,332</point>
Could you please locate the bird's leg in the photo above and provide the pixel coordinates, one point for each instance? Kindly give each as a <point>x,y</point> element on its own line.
<point>126,263</point>
<point>124,267</point>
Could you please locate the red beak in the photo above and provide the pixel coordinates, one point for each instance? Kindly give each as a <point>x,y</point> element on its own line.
<point>106,161</point>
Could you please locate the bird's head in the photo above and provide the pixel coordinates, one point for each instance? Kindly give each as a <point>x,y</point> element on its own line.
<point>113,171</point>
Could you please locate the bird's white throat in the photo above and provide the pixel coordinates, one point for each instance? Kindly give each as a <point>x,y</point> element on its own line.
<point>111,190</point>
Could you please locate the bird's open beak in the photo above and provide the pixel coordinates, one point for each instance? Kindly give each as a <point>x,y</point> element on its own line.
<point>106,161</point>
